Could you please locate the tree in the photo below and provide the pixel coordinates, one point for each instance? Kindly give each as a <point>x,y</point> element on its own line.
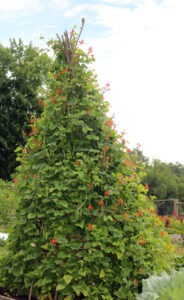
<point>165,180</point>
<point>23,70</point>
<point>85,228</point>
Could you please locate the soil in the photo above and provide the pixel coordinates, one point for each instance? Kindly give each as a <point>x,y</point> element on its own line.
<point>7,295</point>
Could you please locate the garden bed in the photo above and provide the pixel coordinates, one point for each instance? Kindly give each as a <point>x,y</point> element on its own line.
<point>5,298</point>
<point>6,295</point>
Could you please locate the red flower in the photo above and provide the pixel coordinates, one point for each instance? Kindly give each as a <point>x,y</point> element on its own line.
<point>90,226</point>
<point>90,185</point>
<point>109,123</point>
<point>53,241</point>
<point>81,42</point>
<point>15,180</point>
<point>135,282</point>
<point>101,203</point>
<point>167,222</point>
<point>77,162</point>
<point>64,70</point>
<point>140,213</point>
<point>90,207</point>
<point>174,213</point>
<point>57,91</point>
<point>121,201</point>
<point>162,233</point>
<point>32,121</point>
<point>53,100</point>
<point>90,49</point>
<point>72,32</point>
<point>180,219</point>
<point>142,242</point>
<point>107,192</point>
<point>146,187</point>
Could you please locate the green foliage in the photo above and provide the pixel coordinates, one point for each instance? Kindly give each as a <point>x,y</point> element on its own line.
<point>179,259</point>
<point>84,227</point>
<point>7,205</point>
<point>165,180</point>
<point>162,180</point>
<point>164,287</point>
<point>176,225</point>
<point>23,70</point>
<point>2,243</point>
<point>175,228</point>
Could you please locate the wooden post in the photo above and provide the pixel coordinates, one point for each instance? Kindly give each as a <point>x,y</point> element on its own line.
<point>175,207</point>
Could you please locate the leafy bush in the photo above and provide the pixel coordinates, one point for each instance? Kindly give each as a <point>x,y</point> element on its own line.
<point>164,287</point>
<point>2,242</point>
<point>7,205</point>
<point>179,259</point>
<point>84,226</point>
<point>174,225</point>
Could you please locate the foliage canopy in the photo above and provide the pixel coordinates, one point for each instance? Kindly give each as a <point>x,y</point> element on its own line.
<point>23,70</point>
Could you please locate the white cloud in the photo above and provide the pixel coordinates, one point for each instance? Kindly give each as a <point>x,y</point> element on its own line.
<point>79,9</point>
<point>139,50</point>
<point>143,59</point>
<point>124,2</point>
<point>11,6</point>
<point>59,4</point>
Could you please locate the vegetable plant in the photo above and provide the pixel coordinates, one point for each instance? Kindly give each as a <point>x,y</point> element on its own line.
<point>164,287</point>
<point>84,225</point>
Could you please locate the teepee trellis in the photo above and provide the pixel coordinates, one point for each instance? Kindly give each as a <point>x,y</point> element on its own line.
<point>68,46</point>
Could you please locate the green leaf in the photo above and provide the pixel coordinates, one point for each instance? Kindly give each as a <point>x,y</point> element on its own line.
<point>102,273</point>
<point>31,215</point>
<point>67,278</point>
<point>77,289</point>
<point>61,286</point>
<point>80,288</point>
<point>119,254</point>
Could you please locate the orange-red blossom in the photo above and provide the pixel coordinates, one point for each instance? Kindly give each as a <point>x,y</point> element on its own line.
<point>142,242</point>
<point>53,241</point>
<point>107,193</point>
<point>101,203</point>
<point>162,233</point>
<point>15,180</point>
<point>121,201</point>
<point>90,207</point>
<point>90,226</point>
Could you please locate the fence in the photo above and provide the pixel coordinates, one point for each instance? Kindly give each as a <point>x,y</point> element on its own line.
<point>170,207</point>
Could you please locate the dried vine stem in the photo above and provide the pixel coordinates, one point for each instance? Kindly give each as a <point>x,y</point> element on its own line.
<point>82,26</point>
<point>31,290</point>
<point>67,47</point>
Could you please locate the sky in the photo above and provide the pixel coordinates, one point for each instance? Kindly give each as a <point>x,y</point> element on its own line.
<point>139,50</point>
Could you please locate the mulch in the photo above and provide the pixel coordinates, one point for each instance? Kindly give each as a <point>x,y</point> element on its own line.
<point>6,295</point>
